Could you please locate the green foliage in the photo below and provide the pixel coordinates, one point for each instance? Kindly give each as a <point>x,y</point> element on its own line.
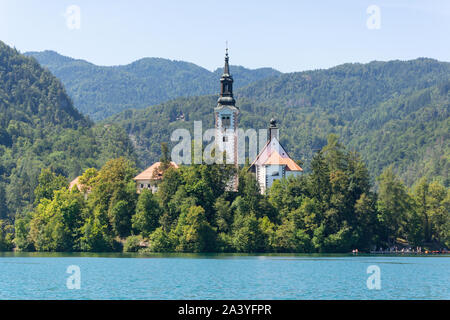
<point>95,236</point>
<point>55,223</point>
<point>22,239</point>
<point>331,209</point>
<point>132,244</point>
<point>48,183</point>
<point>194,233</point>
<point>391,112</point>
<point>247,234</point>
<point>394,112</point>
<point>40,129</point>
<point>431,214</point>
<point>161,241</point>
<point>6,236</point>
<point>393,205</point>
<point>103,91</point>
<point>148,213</point>
<point>113,196</point>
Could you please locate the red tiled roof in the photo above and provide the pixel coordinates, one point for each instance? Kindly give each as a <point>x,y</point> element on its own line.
<point>75,182</point>
<point>149,173</point>
<point>270,154</point>
<point>276,159</point>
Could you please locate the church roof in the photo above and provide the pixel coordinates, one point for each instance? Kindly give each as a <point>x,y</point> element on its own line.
<point>226,86</point>
<point>273,153</point>
<point>276,159</point>
<point>153,172</point>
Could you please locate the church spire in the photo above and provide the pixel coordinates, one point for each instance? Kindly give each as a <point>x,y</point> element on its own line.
<point>226,84</point>
<point>226,69</point>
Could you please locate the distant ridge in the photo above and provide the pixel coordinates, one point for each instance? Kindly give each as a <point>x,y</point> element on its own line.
<point>392,113</point>
<point>101,91</point>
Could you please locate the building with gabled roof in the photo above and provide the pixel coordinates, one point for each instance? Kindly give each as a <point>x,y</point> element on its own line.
<point>151,177</point>
<point>273,162</point>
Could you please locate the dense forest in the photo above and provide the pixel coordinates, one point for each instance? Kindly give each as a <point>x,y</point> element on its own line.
<point>99,91</point>
<point>40,128</point>
<point>393,113</point>
<point>331,209</point>
<point>373,139</point>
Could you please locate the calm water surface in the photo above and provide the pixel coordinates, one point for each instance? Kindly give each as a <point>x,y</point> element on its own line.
<point>189,276</point>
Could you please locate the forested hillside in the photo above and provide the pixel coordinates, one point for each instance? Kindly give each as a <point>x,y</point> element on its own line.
<point>394,112</point>
<point>40,128</point>
<point>100,91</point>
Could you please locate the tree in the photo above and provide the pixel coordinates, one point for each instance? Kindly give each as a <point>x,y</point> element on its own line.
<point>224,215</point>
<point>247,234</point>
<point>393,205</point>
<point>87,179</point>
<point>288,238</point>
<point>161,241</point>
<point>439,202</point>
<point>113,196</point>
<point>171,180</point>
<point>95,238</point>
<point>165,157</point>
<point>194,233</point>
<point>55,223</point>
<point>366,228</point>
<point>3,206</point>
<point>132,244</point>
<point>148,213</point>
<point>6,236</point>
<point>422,208</point>
<point>48,183</point>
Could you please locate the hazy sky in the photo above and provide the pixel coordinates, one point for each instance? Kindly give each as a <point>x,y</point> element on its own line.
<point>287,35</point>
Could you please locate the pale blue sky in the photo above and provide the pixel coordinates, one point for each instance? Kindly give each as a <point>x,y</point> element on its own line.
<point>287,35</point>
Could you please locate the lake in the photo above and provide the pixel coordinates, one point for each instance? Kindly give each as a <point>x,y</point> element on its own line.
<point>197,276</point>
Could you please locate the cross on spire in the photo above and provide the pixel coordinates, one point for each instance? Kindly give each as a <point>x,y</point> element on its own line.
<point>226,83</point>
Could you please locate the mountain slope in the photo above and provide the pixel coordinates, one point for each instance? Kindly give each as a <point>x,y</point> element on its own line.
<point>394,112</point>
<point>39,128</point>
<point>100,91</point>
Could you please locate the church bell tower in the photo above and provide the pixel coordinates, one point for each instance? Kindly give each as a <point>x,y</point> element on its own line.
<point>226,120</point>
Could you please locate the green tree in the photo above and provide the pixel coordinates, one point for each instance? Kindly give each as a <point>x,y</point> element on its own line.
<point>6,236</point>
<point>132,244</point>
<point>393,206</point>
<point>55,223</point>
<point>194,233</point>
<point>247,234</point>
<point>224,215</point>
<point>48,183</point>
<point>113,196</point>
<point>148,213</point>
<point>161,241</point>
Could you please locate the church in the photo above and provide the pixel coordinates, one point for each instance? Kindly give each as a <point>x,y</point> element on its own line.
<point>272,163</point>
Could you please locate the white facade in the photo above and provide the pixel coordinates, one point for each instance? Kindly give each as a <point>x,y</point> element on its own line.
<point>273,162</point>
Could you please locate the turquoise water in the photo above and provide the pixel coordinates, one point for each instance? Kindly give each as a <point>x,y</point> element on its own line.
<point>119,276</point>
